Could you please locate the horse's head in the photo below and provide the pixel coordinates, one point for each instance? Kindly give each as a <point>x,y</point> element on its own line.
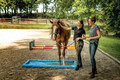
<point>55,29</point>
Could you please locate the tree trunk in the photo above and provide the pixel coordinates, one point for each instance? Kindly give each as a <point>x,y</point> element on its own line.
<point>30,10</point>
<point>106,32</point>
<point>20,12</point>
<point>27,10</point>
<point>43,7</point>
<point>12,12</point>
<point>15,12</point>
<point>0,11</point>
<point>5,10</point>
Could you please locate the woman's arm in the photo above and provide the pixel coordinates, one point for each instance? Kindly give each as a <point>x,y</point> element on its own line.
<point>96,37</point>
<point>66,28</point>
<point>86,36</point>
<point>81,38</point>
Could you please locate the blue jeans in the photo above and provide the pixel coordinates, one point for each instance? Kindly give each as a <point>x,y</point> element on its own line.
<point>92,51</point>
<point>78,47</point>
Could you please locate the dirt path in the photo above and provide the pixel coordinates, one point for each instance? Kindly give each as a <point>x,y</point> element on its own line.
<point>14,52</point>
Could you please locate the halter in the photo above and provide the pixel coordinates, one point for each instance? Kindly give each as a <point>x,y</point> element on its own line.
<point>55,35</point>
<point>57,32</point>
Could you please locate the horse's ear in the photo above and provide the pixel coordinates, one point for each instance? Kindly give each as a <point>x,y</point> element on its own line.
<point>58,21</point>
<point>51,21</point>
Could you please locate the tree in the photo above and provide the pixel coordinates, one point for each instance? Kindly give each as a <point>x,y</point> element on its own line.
<point>2,5</point>
<point>105,10</point>
<point>62,8</point>
<point>45,5</point>
<point>112,15</point>
<point>84,9</point>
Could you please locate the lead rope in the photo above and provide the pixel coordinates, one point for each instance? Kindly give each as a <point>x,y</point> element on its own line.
<point>65,46</point>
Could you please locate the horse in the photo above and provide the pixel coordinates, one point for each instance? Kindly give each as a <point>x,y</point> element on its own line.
<point>61,36</point>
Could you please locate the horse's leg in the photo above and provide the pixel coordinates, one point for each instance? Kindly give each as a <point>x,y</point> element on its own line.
<point>64,47</point>
<point>59,52</point>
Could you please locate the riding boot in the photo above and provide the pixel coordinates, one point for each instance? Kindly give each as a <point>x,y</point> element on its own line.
<point>77,68</point>
<point>80,66</point>
<point>92,75</point>
<point>95,72</point>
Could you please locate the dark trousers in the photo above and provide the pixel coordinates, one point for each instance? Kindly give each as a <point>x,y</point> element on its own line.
<point>92,51</point>
<point>78,47</point>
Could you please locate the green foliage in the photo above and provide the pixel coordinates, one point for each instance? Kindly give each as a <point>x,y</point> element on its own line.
<point>62,8</point>
<point>107,11</point>
<point>3,3</point>
<point>112,15</point>
<point>26,6</point>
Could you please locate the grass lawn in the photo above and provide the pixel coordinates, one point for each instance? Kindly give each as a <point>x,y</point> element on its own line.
<point>111,45</point>
<point>24,26</point>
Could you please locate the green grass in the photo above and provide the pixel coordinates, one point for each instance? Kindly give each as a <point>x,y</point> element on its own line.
<point>24,26</point>
<point>110,45</point>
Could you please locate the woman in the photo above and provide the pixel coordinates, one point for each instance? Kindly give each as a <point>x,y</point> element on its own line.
<point>93,39</point>
<point>78,40</point>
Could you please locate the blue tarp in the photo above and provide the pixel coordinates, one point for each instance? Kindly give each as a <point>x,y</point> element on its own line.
<point>49,63</point>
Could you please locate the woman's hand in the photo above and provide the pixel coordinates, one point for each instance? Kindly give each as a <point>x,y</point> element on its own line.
<point>84,35</point>
<point>66,27</point>
<point>96,37</point>
<point>89,39</point>
<point>77,39</point>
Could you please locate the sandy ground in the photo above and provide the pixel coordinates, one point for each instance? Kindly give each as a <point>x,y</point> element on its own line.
<point>14,51</point>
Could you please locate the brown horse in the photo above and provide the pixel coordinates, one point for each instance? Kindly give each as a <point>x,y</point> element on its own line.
<point>61,36</point>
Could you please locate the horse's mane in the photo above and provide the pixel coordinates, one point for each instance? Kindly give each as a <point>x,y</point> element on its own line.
<point>64,24</point>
